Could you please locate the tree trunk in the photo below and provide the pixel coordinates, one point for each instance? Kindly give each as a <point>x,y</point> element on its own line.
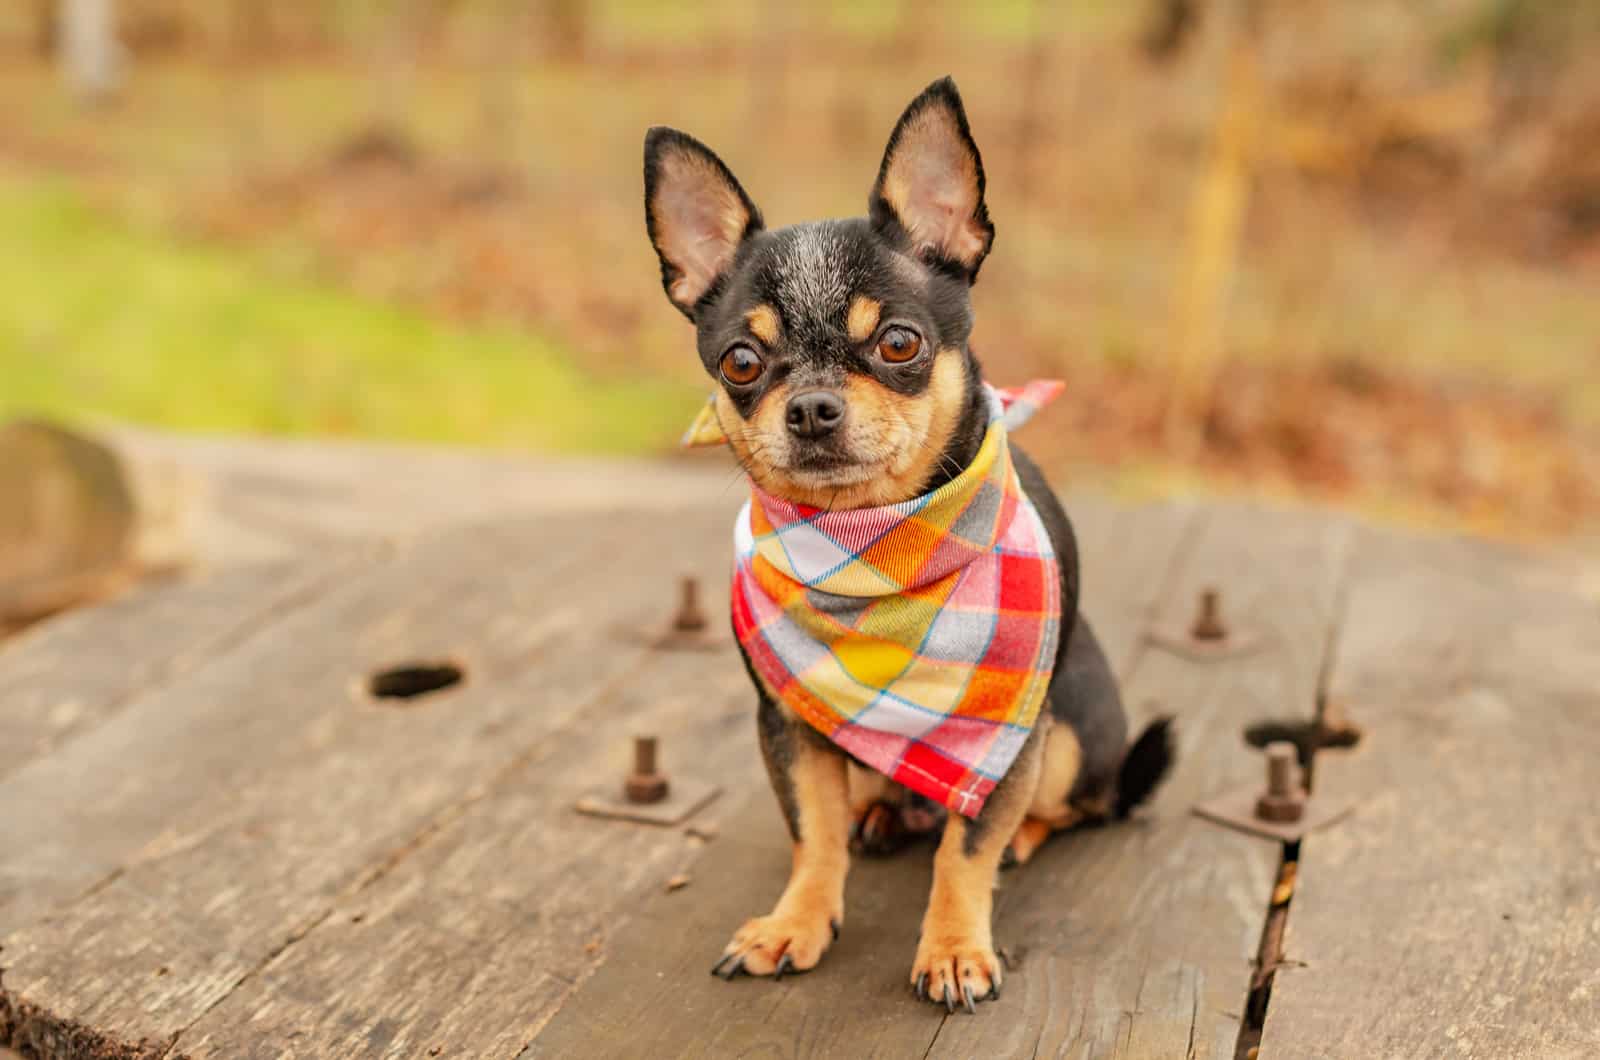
<point>91,57</point>
<point>46,28</point>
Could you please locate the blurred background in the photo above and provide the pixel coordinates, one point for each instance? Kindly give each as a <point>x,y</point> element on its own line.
<point>1346,251</point>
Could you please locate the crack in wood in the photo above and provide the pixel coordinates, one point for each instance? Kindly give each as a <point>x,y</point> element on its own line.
<point>1269,955</point>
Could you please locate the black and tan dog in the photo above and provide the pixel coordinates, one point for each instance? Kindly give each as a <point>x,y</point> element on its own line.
<point>846,381</point>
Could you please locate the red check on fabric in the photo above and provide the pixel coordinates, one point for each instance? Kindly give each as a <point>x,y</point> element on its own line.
<point>920,637</point>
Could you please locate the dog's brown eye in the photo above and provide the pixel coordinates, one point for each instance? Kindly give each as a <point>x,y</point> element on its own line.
<point>741,366</point>
<point>899,345</point>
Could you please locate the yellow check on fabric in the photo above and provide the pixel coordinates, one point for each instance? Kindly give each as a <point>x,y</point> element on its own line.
<point>919,637</point>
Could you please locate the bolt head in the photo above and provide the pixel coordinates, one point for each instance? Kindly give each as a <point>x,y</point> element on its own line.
<point>1281,808</point>
<point>643,788</point>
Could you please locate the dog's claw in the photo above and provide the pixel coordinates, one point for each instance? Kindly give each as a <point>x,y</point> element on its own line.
<point>966,996</point>
<point>949,999</point>
<point>922,987</point>
<point>733,969</point>
<point>994,990</point>
<point>716,969</point>
<point>834,924</point>
<point>785,963</point>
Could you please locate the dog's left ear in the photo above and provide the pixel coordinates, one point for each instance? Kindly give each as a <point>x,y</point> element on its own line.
<point>697,214</point>
<point>930,185</point>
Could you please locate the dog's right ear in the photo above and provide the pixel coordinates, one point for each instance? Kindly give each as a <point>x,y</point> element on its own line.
<point>697,214</point>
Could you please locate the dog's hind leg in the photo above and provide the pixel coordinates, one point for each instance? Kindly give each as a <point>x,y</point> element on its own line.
<point>876,804</point>
<point>956,962</point>
<point>808,775</point>
<point>1048,809</point>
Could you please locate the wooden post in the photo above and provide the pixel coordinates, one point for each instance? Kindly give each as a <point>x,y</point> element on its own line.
<point>1031,124</point>
<point>91,58</point>
<point>46,28</point>
<point>1216,219</point>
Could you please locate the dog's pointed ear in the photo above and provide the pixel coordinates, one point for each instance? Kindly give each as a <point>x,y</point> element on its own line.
<point>697,215</point>
<point>930,185</point>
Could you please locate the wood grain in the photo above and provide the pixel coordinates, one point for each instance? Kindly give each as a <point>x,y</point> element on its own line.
<point>1457,913</point>
<point>277,499</point>
<point>63,677</point>
<point>473,941</point>
<point>173,885</point>
<point>653,996</point>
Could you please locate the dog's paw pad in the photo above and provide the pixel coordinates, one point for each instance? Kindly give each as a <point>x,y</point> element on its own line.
<point>777,945</point>
<point>956,974</point>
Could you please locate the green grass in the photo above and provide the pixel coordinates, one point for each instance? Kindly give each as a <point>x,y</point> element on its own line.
<point>103,321</point>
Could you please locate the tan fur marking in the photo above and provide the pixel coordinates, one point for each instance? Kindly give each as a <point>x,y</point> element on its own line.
<point>757,440</point>
<point>957,945</point>
<point>1063,758</point>
<point>899,439</point>
<point>801,924</point>
<point>863,318</point>
<point>1031,834</point>
<point>868,786</point>
<point>763,323</point>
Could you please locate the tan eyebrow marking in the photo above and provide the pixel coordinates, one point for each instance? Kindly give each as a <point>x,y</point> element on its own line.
<point>863,318</point>
<point>763,321</point>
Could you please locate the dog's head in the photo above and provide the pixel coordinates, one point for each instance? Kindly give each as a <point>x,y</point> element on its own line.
<point>840,346</point>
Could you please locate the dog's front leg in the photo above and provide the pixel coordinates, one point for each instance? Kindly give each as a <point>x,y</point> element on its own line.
<point>808,775</point>
<point>956,962</point>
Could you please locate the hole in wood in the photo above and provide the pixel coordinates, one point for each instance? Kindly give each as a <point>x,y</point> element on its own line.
<point>1308,737</point>
<point>414,680</point>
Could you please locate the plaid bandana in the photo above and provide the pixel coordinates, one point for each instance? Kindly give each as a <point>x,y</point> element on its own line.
<point>920,637</point>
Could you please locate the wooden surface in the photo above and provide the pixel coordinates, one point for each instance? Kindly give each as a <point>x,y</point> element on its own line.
<point>1460,915</point>
<point>213,843</point>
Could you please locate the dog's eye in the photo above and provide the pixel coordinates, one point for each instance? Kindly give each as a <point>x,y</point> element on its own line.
<point>899,345</point>
<point>741,366</point>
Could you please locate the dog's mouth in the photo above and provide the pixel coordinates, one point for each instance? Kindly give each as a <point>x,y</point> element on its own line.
<point>812,464</point>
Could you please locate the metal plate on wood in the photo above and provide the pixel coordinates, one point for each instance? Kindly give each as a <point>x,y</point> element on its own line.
<point>686,797</point>
<point>1182,642</point>
<point>1236,809</point>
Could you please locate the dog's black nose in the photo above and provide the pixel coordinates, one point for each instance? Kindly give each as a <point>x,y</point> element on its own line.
<point>815,413</point>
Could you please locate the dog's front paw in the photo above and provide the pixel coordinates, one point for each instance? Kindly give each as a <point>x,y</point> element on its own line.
<point>779,943</point>
<point>956,969</point>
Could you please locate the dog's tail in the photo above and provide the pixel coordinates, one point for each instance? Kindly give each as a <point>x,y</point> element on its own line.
<point>1145,766</point>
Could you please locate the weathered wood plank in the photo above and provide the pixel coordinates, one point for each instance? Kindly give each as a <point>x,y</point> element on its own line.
<point>471,942</point>
<point>653,996</point>
<point>1136,941</point>
<point>63,677</point>
<point>289,791</point>
<point>1457,912</point>
<point>278,498</point>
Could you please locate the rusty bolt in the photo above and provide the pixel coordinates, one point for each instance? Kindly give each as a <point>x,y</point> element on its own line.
<point>644,785</point>
<point>689,619</point>
<point>1208,623</point>
<point>1284,800</point>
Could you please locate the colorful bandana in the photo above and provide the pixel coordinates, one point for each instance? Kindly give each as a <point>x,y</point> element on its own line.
<point>920,637</point>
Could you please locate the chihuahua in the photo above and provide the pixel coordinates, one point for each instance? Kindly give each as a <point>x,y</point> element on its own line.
<point>847,387</point>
